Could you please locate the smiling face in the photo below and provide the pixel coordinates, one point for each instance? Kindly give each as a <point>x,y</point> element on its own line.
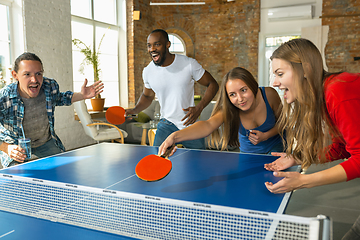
<point>240,94</point>
<point>30,77</point>
<point>284,79</point>
<point>158,48</point>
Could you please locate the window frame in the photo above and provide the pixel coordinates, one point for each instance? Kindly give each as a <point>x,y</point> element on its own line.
<point>8,78</point>
<point>121,54</point>
<point>181,40</point>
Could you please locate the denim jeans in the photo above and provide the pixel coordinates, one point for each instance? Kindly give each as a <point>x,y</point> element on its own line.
<point>47,149</point>
<point>165,128</point>
<point>354,232</point>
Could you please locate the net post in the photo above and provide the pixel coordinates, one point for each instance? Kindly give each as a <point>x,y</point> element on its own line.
<point>325,227</point>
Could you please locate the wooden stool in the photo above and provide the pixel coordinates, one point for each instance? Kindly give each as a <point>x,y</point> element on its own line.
<point>151,136</point>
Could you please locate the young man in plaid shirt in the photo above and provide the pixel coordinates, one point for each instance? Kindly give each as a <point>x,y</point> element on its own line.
<point>28,105</point>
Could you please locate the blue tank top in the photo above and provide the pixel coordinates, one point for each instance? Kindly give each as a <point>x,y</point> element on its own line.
<point>265,146</point>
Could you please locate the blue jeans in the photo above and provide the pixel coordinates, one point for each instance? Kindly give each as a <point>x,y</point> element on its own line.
<point>47,149</point>
<point>354,232</point>
<point>165,128</point>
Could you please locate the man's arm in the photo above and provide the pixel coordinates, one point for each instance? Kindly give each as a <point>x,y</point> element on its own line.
<point>212,87</point>
<point>144,101</point>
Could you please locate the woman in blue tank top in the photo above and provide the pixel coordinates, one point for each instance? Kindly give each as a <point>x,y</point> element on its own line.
<point>244,115</point>
<point>257,137</point>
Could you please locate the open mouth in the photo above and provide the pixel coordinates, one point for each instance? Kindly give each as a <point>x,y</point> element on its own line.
<point>34,87</point>
<point>285,90</point>
<point>155,56</point>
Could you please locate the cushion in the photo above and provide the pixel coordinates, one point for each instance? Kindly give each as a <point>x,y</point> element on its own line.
<point>142,117</point>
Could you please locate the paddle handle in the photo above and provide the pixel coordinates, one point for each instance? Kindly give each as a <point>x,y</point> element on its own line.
<point>168,151</point>
<point>132,116</point>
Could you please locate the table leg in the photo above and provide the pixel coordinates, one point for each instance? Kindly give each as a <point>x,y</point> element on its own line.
<point>143,137</point>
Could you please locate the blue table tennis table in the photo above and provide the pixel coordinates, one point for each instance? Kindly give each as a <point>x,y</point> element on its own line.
<point>203,180</point>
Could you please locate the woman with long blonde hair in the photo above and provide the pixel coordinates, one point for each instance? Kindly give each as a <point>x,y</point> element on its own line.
<point>320,117</point>
<point>245,113</point>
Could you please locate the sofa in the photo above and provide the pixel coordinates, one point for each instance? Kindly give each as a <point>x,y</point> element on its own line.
<point>134,127</point>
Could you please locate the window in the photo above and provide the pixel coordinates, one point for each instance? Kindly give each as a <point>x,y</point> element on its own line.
<point>91,20</point>
<point>5,64</point>
<point>271,44</point>
<point>277,41</point>
<point>177,45</point>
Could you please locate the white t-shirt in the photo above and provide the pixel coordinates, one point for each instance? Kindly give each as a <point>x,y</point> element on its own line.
<point>174,86</point>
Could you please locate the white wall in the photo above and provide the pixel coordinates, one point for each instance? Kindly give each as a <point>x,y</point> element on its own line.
<point>280,28</point>
<point>47,31</point>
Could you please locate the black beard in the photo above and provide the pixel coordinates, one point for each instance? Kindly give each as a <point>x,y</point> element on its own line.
<point>162,59</point>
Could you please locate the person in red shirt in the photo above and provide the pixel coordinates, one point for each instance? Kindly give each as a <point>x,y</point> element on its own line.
<point>320,117</point>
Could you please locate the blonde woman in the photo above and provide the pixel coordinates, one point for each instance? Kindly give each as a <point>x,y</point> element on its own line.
<point>246,113</point>
<point>321,119</point>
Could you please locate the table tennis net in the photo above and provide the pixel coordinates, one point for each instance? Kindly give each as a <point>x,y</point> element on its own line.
<point>149,217</point>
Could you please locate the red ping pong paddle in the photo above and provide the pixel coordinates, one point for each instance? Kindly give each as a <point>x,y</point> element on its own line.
<point>115,115</point>
<point>153,167</point>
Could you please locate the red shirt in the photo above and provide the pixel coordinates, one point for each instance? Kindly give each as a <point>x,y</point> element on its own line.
<point>342,96</point>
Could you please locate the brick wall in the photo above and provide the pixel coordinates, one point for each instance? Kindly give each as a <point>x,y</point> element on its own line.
<point>130,46</point>
<point>137,50</point>
<point>343,19</point>
<point>221,35</point>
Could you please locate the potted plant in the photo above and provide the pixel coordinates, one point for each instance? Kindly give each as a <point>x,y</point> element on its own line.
<point>91,58</point>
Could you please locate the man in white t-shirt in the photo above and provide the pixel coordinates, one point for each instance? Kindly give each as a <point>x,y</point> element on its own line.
<point>172,77</point>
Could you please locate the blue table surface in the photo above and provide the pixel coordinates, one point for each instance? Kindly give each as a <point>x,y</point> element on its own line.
<point>212,177</point>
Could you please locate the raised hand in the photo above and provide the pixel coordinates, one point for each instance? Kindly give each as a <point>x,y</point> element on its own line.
<point>92,90</point>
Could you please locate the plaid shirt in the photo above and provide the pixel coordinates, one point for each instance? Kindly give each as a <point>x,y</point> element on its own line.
<point>12,113</point>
